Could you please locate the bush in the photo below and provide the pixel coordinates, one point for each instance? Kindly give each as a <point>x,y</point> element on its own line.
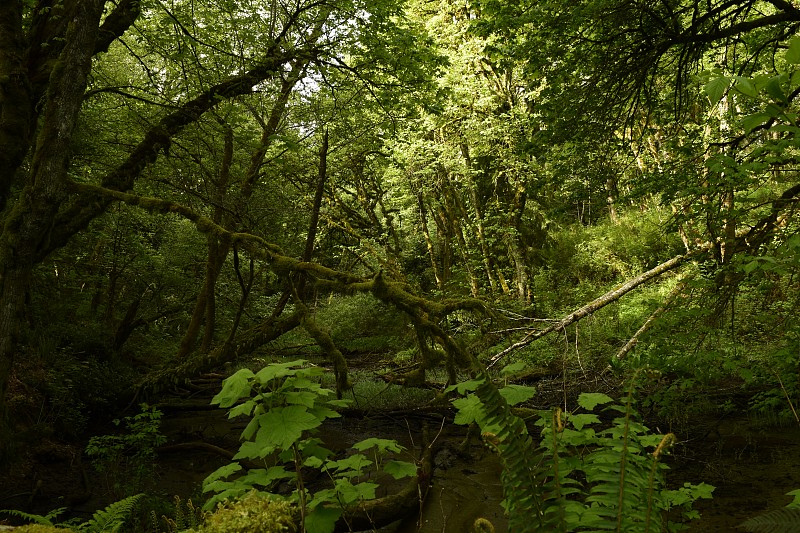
<point>253,512</point>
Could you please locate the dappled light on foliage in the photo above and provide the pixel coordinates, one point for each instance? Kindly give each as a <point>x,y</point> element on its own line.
<point>558,223</point>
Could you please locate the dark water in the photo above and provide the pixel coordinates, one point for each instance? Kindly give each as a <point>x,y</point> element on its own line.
<point>752,465</point>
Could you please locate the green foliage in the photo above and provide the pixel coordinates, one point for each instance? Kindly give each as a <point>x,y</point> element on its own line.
<point>40,528</point>
<point>111,519</point>
<point>582,476</point>
<point>362,323</point>
<point>778,521</point>
<point>46,520</point>
<point>185,515</point>
<point>127,459</point>
<point>286,403</point>
<point>252,512</point>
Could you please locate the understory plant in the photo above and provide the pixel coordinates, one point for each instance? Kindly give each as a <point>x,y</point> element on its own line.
<point>286,405</point>
<point>127,460</point>
<point>586,474</point>
<point>111,519</point>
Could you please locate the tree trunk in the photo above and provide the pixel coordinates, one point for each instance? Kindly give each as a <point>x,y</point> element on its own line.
<point>29,223</point>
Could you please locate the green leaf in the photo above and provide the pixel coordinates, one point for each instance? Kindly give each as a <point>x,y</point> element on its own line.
<point>751,122</point>
<point>590,400</point>
<point>400,469</point>
<point>283,426</point>
<point>515,394</point>
<point>793,52</point>
<point>350,493</point>
<point>322,519</point>
<point>383,445</point>
<point>578,421</point>
<point>306,398</point>
<point>265,477</point>
<point>245,408</point>
<point>716,88</point>
<point>469,410</point>
<point>795,494</point>
<point>464,387</point>
<point>254,450</point>
<point>222,472</point>
<point>513,368</point>
<point>349,465</point>
<point>278,370</point>
<point>746,87</point>
<point>234,387</point>
<point>774,89</point>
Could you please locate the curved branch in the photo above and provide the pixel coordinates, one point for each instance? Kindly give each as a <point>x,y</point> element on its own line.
<point>117,23</point>
<point>76,216</point>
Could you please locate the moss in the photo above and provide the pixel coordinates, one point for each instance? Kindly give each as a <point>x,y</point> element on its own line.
<point>40,528</point>
<point>253,512</point>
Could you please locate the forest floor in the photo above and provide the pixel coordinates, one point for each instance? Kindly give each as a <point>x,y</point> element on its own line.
<point>752,464</point>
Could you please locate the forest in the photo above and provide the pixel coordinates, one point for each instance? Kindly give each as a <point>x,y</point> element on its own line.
<point>543,249</point>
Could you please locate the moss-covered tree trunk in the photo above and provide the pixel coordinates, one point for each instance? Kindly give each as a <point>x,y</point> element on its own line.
<point>29,222</point>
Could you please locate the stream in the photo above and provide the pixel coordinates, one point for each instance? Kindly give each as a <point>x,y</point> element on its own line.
<point>751,466</point>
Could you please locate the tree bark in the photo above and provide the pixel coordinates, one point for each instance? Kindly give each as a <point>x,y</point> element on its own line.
<point>28,225</point>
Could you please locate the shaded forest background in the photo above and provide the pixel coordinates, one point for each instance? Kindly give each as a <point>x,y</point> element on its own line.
<point>190,186</point>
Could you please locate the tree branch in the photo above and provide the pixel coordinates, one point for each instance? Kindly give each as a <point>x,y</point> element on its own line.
<point>80,212</point>
<point>598,303</point>
<point>117,23</point>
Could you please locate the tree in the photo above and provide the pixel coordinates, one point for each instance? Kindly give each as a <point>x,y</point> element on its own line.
<point>179,63</point>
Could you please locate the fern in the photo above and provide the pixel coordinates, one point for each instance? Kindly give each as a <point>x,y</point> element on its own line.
<point>46,520</point>
<point>523,474</point>
<point>557,486</point>
<point>786,520</point>
<point>113,517</point>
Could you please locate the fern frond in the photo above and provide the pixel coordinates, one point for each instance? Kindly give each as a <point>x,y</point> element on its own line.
<point>113,517</point>
<point>35,518</point>
<point>786,520</point>
<point>523,474</point>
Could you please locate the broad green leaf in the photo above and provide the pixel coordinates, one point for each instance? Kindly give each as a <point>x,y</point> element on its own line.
<point>254,450</point>
<point>745,86</point>
<point>795,494</point>
<point>339,403</point>
<point>265,476</point>
<point>793,52</point>
<point>349,493</point>
<point>283,426</point>
<point>513,368</point>
<point>305,398</point>
<point>465,386</point>
<point>751,122</point>
<point>322,519</point>
<point>578,421</point>
<point>251,428</point>
<point>245,408</point>
<point>590,400</point>
<point>382,445</point>
<point>278,370</point>
<point>716,88</point>
<point>349,465</point>
<point>400,469</point>
<point>222,472</point>
<point>234,387</point>
<point>323,413</point>
<point>515,394</point>
<point>469,409</point>
<point>314,448</point>
<point>775,90</point>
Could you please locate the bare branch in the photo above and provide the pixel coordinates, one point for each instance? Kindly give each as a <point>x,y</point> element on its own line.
<point>602,301</point>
